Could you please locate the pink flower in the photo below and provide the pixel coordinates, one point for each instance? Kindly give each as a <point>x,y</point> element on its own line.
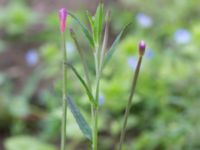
<point>62,17</point>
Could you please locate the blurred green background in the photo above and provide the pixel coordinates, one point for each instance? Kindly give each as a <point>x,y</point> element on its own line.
<point>166,110</point>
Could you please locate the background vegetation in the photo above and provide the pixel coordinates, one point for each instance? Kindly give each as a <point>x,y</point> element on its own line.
<point>165,114</point>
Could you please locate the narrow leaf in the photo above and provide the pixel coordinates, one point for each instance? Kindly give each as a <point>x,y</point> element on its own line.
<point>73,35</point>
<point>83,125</point>
<point>113,47</point>
<point>91,98</point>
<point>90,20</point>
<point>84,29</point>
<point>98,23</point>
<point>83,60</point>
<point>100,28</point>
<point>105,39</point>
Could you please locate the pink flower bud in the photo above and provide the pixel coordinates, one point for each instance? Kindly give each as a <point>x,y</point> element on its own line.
<point>62,17</point>
<point>142,47</point>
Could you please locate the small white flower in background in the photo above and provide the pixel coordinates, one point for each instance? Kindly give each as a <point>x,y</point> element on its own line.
<point>32,57</point>
<point>182,36</point>
<point>70,48</point>
<point>144,20</point>
<point>132,62</point>
<point>101,99</point>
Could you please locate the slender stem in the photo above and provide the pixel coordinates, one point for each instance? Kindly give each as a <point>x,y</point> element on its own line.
<point>123,131</point>
<point>95,109</point>
<point>98,56</point>
<point>95,130</point>
<point>64,94</point>
<point>92,123</point>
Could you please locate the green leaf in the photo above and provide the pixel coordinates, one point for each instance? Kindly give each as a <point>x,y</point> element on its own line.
<point>91,98</point>
<point>73,35</point>
<point>83,60</point>
<point>84,29</point>
<point>90,20</point>
<point>101,15</point>
<point>110,52</point>
<point>98,23</point>
<point>83,125</point>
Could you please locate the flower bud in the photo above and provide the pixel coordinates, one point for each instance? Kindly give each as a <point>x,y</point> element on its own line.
<point>62,18</point>
<point>142,47</point>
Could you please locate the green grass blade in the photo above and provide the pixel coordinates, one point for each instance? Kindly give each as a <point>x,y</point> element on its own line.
<point>84,29</point>
<point>91,98</point>
<point>83,125</point>
<point>113,47</point>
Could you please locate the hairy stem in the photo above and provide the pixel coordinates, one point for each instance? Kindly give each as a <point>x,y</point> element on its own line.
<point>64,94</point>
<point>123,131</point>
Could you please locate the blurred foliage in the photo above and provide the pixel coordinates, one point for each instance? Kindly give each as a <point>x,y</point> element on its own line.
<point>24,142</point>
<point>165,108</point>
<point>16,17</point>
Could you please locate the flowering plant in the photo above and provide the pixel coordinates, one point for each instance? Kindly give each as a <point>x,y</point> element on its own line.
<point>97,38</point>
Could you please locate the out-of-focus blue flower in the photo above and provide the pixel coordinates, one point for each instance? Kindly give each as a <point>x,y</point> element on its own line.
<point>182,36</point>
<point>70,48</point>
<point>132,62</point>
<point>149,53</point>
<point>144,20</point>
<point>101,99</point>
<point>31,57</point>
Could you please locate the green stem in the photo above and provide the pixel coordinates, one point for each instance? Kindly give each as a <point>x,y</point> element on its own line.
<point>64,94</point>
<point>95,109</point>
<point>123,131</point>
<point>95,128</point>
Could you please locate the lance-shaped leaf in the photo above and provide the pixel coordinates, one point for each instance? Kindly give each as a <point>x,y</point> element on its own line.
<point>105,40</point>
<point>90,96</point>
<point>91,21</point>
<point>83,125</point>
<point>98,23</point>
<point>113,47</point>
<point>84,29</point>
<point>85,66</point>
